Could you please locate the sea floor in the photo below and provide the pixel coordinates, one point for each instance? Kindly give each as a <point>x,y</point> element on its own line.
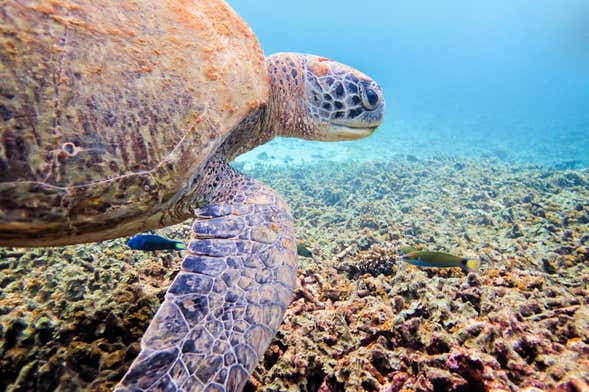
<point>360,320</point>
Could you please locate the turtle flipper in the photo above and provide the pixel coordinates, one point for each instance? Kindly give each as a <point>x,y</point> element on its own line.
<point>227,302</point>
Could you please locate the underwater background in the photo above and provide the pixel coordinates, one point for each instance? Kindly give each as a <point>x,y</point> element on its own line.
<point>484,153</point>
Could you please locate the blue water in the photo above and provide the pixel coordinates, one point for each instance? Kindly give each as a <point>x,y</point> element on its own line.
<point>505,79</point>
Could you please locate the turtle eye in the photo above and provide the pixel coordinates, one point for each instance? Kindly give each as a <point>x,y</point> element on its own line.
<point>369,96</point>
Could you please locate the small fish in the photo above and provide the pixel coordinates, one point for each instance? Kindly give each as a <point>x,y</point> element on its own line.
<point>302,250</point>
<point>154,242</point>
<point>426,258</point>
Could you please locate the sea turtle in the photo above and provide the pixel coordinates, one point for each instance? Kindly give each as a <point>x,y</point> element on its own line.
<point>119,117</point>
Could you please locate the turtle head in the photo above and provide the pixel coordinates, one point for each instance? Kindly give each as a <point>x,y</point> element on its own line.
<point>316,98</point>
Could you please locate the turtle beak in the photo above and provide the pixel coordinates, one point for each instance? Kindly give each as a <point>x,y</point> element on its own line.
<point>341,132</point>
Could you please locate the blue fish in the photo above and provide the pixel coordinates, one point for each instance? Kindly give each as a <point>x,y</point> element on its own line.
<point>154,242</point>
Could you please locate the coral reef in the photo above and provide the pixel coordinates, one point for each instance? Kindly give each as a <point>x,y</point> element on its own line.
<point>71,317</point>
<point>360,320</point>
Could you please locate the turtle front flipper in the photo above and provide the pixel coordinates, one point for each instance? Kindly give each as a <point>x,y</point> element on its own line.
<point>227,302</point>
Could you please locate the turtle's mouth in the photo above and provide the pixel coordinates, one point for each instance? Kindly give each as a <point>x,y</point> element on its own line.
<point>343,132</point>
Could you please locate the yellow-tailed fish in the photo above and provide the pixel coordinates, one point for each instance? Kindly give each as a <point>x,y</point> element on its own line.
<point>427,258</point>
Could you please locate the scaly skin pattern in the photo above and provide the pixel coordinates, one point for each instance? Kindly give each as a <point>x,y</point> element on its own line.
<point>109,109</point>
<point>315,98</point>
<point>228,300</point>
<point>339,95</point>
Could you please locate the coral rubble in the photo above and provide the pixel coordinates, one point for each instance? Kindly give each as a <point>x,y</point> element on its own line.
<point>360,320</point>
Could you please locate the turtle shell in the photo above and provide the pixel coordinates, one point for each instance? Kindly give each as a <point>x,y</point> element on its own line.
<point>109,110</point>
